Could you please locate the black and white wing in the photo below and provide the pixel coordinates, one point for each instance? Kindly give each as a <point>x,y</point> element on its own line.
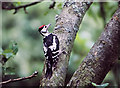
<point>51,51</point>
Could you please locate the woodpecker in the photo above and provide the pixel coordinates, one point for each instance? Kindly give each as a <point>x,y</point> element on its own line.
<point>51,49</point>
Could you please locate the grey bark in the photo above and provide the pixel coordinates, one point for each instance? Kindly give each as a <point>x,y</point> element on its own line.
<point>67,25</point>
<point>102,56</point>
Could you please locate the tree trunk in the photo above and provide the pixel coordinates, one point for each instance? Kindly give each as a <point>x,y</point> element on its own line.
<point>102,56</point>
<point>67,25</point>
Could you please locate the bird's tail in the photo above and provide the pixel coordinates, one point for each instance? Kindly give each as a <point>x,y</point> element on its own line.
<point>48,73</point>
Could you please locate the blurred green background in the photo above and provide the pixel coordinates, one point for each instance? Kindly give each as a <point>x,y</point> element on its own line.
<point>23,28</point>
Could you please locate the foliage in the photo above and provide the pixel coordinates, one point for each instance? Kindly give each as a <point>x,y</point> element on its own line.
<point>100,86</point>
<point>17,3</point>
<point>8,53</point>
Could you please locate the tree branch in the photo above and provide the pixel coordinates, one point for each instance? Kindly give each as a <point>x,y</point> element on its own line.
<point>52,5</point>
<point>118,3</point>
<point>67,25</point>
<point>102,56</point>
<point>19,79</point>
<point>10,6</point>
<point>102,11</point>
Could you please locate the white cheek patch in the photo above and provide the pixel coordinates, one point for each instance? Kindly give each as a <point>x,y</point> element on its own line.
<point>43,30</point>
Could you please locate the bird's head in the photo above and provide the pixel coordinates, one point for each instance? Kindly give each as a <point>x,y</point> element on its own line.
<point>44,29</point>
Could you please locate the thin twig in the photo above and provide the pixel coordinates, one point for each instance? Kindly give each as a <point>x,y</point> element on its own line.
<point>119,4</point>
<point>19,7</point>
<point>20,79</point>
<point>52,5</point>
<point>102,11</point>
<point>25,11</point>
<point>15,11</point>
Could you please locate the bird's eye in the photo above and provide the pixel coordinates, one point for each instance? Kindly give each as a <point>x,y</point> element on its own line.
<point>45,26</point>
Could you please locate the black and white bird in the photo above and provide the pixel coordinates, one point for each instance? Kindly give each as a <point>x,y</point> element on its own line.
<point>51,49</point>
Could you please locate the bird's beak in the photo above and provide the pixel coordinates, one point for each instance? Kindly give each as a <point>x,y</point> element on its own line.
<point>48,26</point>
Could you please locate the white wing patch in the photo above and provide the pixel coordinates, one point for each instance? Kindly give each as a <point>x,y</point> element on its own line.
<point>55,56</point>
<point>53,46</point>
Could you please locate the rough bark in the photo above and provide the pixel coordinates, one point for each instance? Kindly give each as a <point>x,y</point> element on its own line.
<point>67,25</point>
<point>102,56</point>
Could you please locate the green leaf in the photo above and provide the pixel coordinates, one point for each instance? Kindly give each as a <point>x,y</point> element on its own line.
<point>105,84</point>
<point>94,84</point>
<point>16,3</point>
<point>13,45</point>
<point>100,86</point>
<point>8,53</point>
